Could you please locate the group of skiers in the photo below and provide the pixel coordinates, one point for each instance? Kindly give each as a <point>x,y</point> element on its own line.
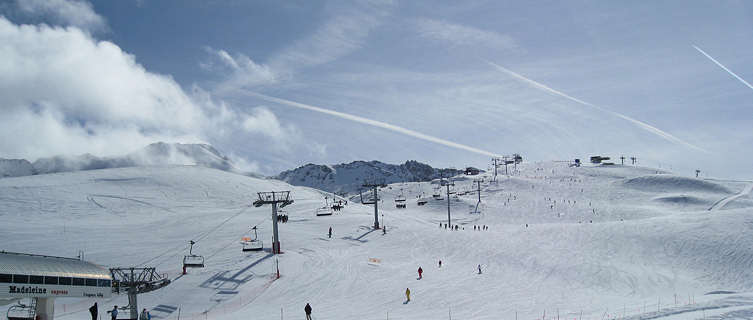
<point>455,227</point>
<point>94,311</point>
<point>421,276</point>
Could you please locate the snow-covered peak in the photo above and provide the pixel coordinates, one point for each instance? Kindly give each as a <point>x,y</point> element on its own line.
<point>15,168</point>
<point>155,154</point>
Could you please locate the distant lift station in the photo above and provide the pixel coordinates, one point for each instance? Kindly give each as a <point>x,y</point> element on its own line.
<point>44,278</point>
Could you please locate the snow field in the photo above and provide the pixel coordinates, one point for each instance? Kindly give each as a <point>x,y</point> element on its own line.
<point>636,249</point>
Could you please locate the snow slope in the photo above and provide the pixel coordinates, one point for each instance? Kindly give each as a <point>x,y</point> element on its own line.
<point>596,243</point>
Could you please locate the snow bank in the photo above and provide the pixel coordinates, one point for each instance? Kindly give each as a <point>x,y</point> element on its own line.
<point>672,183</point>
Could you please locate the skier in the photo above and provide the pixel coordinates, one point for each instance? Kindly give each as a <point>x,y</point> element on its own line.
<point>307,308</point>
<point>145,315</point>
<point>407,294</point>
<point>479,269</point>
<point>330,232</point>
<point>113,313</point>
<point>420,272</point>
<point>440,265</point>
<point>94,311</point>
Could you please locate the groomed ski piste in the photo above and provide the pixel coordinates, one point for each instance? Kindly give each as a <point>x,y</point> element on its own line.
<point>603,242</point>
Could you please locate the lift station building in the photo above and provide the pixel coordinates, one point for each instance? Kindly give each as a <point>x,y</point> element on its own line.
<point>44,278</point>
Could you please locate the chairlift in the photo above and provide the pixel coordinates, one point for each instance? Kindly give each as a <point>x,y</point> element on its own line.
<point>282,216</point>
<point>369,199</point>
<point>324,211</point>
<point>421,202</point>
<point>193,260</point>
<point>20,311</point>
<point>252,244</point>
<point>400,200</point>
<point>437,194</point>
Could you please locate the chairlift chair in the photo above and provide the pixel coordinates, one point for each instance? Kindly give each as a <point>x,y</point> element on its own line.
<point>193,260</point>
<point>400,200</point>
<point>437,194</point>
<point>282,215</point>
<point>20,311</point>
<point>250,244</point>
<point>324,211</point>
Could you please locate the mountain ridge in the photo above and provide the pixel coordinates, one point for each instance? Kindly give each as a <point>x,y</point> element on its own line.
<point>348,177</point>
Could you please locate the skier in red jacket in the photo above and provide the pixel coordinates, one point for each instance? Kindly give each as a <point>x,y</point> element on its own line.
<point>420,271</point>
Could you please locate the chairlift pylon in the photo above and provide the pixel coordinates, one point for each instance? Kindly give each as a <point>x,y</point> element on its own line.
<point>252,244</point>
<point>193,260</point>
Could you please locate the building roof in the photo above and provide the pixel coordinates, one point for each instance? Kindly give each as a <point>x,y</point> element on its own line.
<point>38,265</point>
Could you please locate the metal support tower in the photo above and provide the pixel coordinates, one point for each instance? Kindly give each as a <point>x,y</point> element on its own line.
<point>494,161</point>
<point>134,281</point>
<point>478,189</point>
<point>478,184</point>
<point>375,200</point>
<point>449,183</point>
<point>274,198</point>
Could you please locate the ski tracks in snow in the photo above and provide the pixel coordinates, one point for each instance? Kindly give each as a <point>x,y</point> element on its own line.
<point>724,201</point>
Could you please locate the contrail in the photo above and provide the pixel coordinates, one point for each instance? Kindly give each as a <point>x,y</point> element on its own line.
<point>723,67</point>
<point>639,123</point>
<point>375,123</point>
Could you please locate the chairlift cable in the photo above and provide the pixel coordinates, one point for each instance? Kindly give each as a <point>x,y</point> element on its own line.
<point>220,225</point>
<point>202,236</point>
<point>234,240</point>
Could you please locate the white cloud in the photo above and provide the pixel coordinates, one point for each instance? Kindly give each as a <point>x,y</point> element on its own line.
<point>78,13</point>
<point>239,71</point>
<point>344,32</point>
<point>63,92</point>
<point>460,35</point>
<point>263,121</point>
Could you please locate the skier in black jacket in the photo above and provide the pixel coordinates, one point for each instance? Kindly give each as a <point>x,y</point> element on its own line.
<point>308,311</point>
<point>94,311</point>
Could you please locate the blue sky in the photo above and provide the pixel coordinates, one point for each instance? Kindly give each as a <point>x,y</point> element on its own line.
<point>551,80</point>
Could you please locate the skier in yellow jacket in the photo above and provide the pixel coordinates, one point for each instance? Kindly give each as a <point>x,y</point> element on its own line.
<point>407,293</point>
